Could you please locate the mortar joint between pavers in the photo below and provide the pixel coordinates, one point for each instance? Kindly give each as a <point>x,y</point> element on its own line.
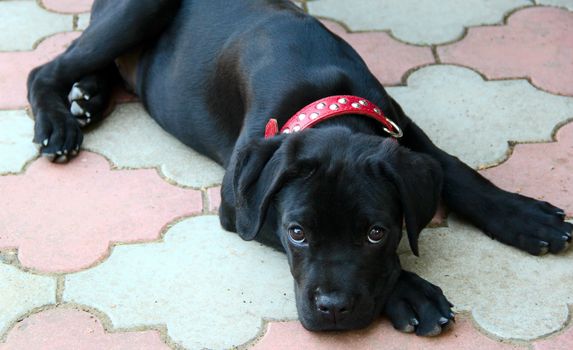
<point>104,320</point>
<point>512,144</point>
<point>60,287</point>
<point>206,201</point>
<point>483,331</point>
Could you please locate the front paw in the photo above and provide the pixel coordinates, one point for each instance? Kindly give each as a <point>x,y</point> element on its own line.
<point>531,225</point>
<point>418,306</point>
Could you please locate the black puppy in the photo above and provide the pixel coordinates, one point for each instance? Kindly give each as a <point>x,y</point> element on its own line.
<point>333,197</point>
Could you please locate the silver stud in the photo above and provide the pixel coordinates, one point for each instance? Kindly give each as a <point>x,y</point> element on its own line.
<point>286,131</point>
<point>302,117</point>
<point>334,107</point>
<point>313,116</point>
<point>377,110</point>
<point>343,101</point>
<point>355,105</point>
<point>362,102</point>
<point>321,105</point>
<point>296,128</point>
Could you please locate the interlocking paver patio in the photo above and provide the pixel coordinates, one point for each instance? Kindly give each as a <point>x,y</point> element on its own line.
<point>536,43</point>
<point>81,208</point>
<point>15,67</point>
<point>543,171</point>
<point>201,287</point>
<point>565,3</point>
<point>16,148</point>
<point>21,292</point>
<point>24,23</point>
<point>557,342</point>
<point>69,329</point>
<point>131,139</point>
<point>415,21</point>
<point>291,335</point>
<point>386,57</point>
<point>474,119</point>
<point>506,290</point>
<point>208,286</point>
<point>67,6</point>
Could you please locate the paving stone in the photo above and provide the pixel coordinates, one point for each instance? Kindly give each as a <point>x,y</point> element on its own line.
<point>75,211</point>
<point>214,198</point>
<point>69,329</point>
<point>386,57</point>
<point>543,171</point>
<point>208,286</point>
<point>23,23</point>
<point>558,342</point>
<point>537,42</point>
<point>15,67</point>
<point>510,293</point>
<point>16,147</point>
<point>131,139</point>
<point>472,118</point>
<point>68,6</point>
<point>564,3</point>
<point>83,21</point>
<point>291,335</point>
<point>21,292</point>
<point>415,21</point>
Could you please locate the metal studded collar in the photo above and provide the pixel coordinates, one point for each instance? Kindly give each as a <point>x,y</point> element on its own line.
<point>330,107</point>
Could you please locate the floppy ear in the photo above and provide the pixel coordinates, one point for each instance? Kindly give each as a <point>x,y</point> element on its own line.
<point>418,178</point>
<point>259,174</point>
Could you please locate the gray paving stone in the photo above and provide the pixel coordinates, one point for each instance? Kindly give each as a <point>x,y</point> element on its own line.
<point>23,23</point>
<point>20,292</point>
<point>474,119</point>
<point>511,294</point>
<point>415,21</point>
<point>208,286</point>
<point>131,139</point>
<point>83,21</point>
<point>563,3</point>
<point>16,147</point>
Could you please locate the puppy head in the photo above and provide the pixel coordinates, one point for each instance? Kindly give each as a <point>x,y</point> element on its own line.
<point>336,201</point>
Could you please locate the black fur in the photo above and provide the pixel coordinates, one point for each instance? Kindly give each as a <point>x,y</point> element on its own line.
<point>212,73</point>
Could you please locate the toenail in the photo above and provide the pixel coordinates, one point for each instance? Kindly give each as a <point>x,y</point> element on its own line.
<point>76,109</point>
<point>45,143</point>
<point>86,97</point>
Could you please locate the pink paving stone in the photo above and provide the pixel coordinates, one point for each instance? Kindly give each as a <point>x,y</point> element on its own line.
<point>537,42</point>
<point>68,329</point>
<point>560,342</point>
<point>15,67</point>
<point>68,6</point>
<point>291,335</point>
<point>214,199</point>
<point>63,218</point>
<point>543,170</point>
<point>387,58</point>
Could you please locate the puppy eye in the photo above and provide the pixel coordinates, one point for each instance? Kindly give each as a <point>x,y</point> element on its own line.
<point>376,234</point>
<point>296,234</point>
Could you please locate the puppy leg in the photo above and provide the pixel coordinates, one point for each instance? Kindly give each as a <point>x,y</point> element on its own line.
<point>116,28</point>
<point>531,225</point>
<point>416,305</point>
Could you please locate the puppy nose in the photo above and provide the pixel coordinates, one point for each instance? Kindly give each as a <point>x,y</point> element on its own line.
<point>333,305</point>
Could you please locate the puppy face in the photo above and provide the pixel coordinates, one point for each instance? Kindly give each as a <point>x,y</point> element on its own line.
<point>336,202</point>
<point>340,226</point>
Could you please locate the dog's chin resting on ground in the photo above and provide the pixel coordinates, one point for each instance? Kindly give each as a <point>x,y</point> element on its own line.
<point>333,201</point>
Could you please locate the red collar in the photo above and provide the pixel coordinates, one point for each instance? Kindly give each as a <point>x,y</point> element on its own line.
<point>330,107</point>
